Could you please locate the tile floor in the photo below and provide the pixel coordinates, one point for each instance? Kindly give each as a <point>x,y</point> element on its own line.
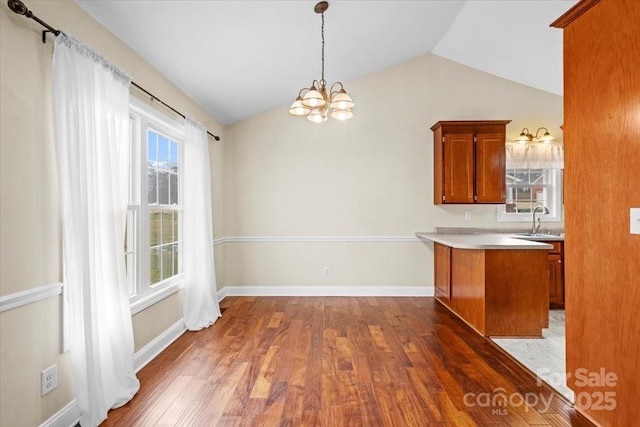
<point>545,357</point>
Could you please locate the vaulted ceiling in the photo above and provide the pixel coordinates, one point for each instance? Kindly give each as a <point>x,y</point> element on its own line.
<point>239,58</point>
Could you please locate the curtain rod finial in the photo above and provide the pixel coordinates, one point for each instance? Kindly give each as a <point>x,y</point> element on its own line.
<point>18,7</point>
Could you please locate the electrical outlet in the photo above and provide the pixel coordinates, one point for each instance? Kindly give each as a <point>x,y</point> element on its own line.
<point>326,271</point>
<point>467,214</point>
<point>49,379</point>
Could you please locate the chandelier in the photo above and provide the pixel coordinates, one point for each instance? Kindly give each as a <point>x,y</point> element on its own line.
<point>315,101</point>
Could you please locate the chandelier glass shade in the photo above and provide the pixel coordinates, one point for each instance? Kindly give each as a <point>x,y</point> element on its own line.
<point>314,102</point>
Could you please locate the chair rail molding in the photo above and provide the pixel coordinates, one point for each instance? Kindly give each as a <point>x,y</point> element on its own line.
<point>18,299</point>
<point>290,239</point>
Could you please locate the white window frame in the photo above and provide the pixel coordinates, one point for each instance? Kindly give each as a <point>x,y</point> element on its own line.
<point>554,203</point>
<point>144,117</point>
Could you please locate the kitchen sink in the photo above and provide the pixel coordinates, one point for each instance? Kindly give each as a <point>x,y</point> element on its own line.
<point>540,235</point>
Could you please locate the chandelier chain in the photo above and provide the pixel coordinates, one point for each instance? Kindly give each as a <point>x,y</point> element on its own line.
<point>322,82</point>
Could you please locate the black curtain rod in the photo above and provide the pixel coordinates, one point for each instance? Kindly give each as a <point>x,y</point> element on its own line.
<point>18,7</point>
<point>155,98</point>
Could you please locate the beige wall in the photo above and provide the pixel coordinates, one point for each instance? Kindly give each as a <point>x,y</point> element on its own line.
<point>369,176</point>
<point>29,216</point>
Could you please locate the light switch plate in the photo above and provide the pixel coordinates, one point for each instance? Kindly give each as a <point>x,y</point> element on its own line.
<point>635,220</point>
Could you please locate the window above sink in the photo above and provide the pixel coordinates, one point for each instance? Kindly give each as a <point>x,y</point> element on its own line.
<point>528,188</point>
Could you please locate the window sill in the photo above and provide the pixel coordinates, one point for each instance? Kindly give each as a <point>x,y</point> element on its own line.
<point>146,300</point>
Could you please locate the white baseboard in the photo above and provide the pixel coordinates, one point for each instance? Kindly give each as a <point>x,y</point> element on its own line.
<point>69,416</point>
<point>221,294</point>
<point>147,353</point>
<point>327,291</point>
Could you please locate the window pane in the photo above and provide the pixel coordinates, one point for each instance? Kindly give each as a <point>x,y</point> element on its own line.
<point>540,194</point>
<point>523,199</point>
<point>155,265</point>
<point>152,148</point>
<point>163,188</point>
<point>536,176</point>
<point>521,176</point>
<point>163,152</point>
<point>174,158</point>
<point>152,186</point>
<point>130,261</point>
<point>511,177</point>
<point>155,227</point>
<point>176,237</point>
<point>168,218</point>
<point>167,261</point>
<point>173,184</point>
<point>176,266</point>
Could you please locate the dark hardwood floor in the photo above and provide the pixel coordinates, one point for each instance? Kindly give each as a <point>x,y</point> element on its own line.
<point>339,361</point>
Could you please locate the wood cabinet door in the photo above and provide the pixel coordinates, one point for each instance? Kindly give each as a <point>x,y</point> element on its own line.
<point>556,281</point>
<point>490,168</point>
<point>442,270</point>
<point>458,168</point>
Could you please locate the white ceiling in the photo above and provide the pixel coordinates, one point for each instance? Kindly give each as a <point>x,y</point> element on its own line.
<point>239,58</point>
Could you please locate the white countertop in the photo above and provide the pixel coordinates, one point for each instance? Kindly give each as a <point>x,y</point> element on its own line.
<point>483,241</point>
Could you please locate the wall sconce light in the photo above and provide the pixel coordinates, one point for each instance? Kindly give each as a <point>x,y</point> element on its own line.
<point>526,136</point>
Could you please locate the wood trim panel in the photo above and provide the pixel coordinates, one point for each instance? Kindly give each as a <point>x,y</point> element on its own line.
<point>517,292</point>
<point>467,286</point>
<point>471,125</point>
<point>556,279</point>
<point>438,167</point>
<point>574,13</point>
<point>557,247</point>
<point>442,270</point>
<point>602,142</point>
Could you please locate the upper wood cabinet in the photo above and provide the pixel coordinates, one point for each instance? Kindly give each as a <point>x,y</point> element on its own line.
<point>469,161</point>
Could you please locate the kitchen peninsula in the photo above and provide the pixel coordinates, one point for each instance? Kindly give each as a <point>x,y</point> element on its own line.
<point>496,283</point>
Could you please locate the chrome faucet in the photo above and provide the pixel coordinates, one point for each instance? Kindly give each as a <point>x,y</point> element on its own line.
<point>534,228</point>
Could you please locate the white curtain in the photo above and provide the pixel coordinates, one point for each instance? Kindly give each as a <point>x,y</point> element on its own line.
<point>91,110</point>
<point>535,155</point>
<point>201,307</point>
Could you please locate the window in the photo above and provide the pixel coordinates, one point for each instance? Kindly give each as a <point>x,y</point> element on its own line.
<point>528,188</point>
<point>153,245</point>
